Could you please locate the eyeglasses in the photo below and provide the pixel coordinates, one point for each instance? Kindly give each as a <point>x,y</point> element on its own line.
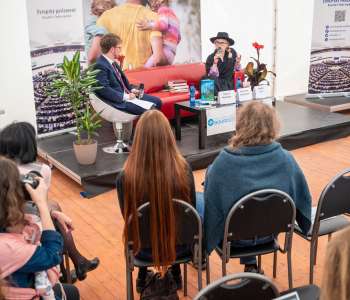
<point>221,43</point>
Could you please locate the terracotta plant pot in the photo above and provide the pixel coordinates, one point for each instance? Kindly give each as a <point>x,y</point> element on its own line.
<point>85,153</point>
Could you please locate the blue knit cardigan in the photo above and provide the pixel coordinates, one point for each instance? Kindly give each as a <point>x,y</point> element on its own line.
<point>235,173</point>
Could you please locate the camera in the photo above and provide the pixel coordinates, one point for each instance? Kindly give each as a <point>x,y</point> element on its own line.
<point>31,179</point>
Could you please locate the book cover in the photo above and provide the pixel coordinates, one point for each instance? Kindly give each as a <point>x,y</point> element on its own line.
<point>207,90</point>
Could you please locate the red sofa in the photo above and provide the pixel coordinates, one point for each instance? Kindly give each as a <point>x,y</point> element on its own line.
<point>154,80</point>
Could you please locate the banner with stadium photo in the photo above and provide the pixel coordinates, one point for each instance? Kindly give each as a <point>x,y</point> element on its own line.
<point>172,27</point>
<point>330,50</point>
<point>55,30</point>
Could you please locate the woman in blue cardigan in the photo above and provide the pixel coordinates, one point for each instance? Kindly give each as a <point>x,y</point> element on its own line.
<point>252,161</point>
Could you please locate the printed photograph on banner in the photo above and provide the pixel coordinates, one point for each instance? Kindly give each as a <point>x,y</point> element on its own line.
<point>55,31</point>
<point>330,49</point>
<point>153,32</point>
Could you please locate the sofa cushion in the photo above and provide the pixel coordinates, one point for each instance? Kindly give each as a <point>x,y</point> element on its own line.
<point>168,101</point>
<point>154,79</point>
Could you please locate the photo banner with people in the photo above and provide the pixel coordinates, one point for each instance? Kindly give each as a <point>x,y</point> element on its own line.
<point>55,30</point>
<point>153,32</point>
<point>330,49</point>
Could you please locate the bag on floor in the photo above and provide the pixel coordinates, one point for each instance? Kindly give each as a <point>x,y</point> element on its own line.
<point>158,288</point>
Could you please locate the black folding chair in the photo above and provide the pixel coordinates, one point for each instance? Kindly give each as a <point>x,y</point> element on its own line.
<point>259,214</point>
<point>243,286</point>
<point>248,286</point>
<point>332,204</point>
<point>188,234</point>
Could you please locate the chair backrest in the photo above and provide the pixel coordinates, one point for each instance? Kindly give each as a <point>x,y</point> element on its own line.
<point>335,197</point>
<point>188,224</point>
<point>108,112</point>
<point>243,286</point>
<point>259,214</point>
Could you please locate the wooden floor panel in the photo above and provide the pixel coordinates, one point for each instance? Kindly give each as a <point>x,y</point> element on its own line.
<point>98,227</point>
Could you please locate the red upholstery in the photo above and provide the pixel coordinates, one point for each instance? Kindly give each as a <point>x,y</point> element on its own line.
<point>154,80</point>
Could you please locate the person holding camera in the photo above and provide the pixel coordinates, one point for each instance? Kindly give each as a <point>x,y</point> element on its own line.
<point>220,64</point>
<point>25,250</point>
<point>18,143</point>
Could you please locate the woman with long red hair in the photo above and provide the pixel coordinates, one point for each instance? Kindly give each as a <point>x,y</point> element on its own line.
<point>155,172</point>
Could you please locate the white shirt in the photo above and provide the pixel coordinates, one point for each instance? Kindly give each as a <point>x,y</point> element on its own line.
<point>111,61</point>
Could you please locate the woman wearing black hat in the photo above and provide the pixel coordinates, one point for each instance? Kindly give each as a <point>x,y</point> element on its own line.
<point>221,63</point>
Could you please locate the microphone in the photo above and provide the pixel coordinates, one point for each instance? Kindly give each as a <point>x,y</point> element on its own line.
<point>141,90</point>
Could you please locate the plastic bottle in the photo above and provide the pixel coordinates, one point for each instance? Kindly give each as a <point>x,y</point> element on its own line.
<point>238,84</point>
<point>192,95</point>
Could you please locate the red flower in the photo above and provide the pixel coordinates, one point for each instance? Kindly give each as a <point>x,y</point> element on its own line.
<point>257,46</point>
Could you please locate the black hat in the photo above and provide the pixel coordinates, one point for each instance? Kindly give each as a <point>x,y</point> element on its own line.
<point>222,35</point>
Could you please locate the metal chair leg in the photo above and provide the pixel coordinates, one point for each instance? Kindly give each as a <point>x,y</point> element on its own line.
<point>259,263</point>
<point>315,255</point>
<point>207,269</point>
<point>274,264</point>
<point>290,273</point>
<point>67,267</point>
<point>311,275</point>
<point>185,279</point>
<point>223,260</point>
<point>199,271</point>
<point>329,237</point>
<point>129,284</point>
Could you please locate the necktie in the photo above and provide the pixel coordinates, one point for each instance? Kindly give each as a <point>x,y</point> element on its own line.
<point>120,78</point>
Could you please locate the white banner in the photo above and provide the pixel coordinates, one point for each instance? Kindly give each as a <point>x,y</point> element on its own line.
<point>55,30</point>
<point>330,50</point>
<point>221,119</point>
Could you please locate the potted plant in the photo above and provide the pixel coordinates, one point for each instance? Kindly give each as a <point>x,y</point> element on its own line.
<point>75,85</point>
<point>258,74</point>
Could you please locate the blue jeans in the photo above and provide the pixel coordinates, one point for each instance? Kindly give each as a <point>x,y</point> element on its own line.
<point>249,260</point>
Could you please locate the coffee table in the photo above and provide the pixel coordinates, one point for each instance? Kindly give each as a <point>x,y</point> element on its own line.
<point>200,111</point>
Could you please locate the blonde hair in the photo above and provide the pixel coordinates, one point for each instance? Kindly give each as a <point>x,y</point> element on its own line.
<point>98,7</point>
<point>257,124</point>
<point>336,276</point>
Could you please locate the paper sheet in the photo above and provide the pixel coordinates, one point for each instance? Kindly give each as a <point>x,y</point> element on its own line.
<point>142,103</point>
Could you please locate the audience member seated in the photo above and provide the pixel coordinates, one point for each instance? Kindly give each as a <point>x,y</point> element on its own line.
<point>29,256</point>
<point>336,276</point>
<point>116,89</point>
<point>252,161</point>
<point>220,65</point>
<point>18,142</point>
<point>155,172</point>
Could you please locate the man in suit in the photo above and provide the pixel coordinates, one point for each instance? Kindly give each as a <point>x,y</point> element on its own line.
<point>116,89</point>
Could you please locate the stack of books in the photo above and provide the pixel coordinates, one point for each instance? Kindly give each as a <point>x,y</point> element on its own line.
<point>178,86</point>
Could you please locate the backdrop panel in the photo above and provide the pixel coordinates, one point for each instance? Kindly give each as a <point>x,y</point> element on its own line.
<point>187,16</point>
<point>330,51</point>
<point>55,30</point>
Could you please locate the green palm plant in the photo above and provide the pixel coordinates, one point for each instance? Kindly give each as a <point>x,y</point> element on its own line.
<point>75,85</point>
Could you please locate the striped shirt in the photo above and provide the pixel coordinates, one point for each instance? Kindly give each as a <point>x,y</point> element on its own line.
<point>169,25</point>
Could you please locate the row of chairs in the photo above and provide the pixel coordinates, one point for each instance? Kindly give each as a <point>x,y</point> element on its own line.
<point>262,213</point>
<point>253,286</point>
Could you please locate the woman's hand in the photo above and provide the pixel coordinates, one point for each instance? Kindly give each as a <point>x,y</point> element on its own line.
<point>229,53</point>
<point>143,25</point>
<point>38,195</point>
<point>65,221</point>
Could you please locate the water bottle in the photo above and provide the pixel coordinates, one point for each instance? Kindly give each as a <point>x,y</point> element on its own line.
<point>238,84</point>
<point>192,95</point>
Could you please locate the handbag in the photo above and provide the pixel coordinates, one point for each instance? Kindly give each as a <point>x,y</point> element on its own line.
<point>160,288</point>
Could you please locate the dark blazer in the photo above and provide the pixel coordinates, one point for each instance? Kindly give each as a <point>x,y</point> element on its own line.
<point>226,69</point>
<point>112,91</point>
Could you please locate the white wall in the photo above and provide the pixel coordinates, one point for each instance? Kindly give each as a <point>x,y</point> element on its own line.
<point>16,86</point>
<point>245,21</point>
<point>294,35</point>
<point>253,20</point>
